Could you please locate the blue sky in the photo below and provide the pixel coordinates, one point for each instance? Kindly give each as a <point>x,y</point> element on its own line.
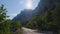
<point>14,7</point>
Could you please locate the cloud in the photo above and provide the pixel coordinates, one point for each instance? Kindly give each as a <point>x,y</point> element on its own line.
<point>14,14</point>
<point>11,16</point>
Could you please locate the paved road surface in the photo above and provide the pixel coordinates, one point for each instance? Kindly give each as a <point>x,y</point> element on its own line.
<point>30,31</point>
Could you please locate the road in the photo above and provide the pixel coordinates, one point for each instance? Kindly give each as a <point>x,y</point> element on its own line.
<point>30,31</point>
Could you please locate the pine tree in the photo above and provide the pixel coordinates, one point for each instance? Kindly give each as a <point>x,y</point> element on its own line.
<point>2,13</point>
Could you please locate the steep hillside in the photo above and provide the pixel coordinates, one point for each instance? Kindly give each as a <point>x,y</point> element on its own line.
<point>24,16</point>
<point>42,7</point>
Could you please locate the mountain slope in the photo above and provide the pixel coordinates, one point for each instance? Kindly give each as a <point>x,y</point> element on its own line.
<point>24,16</point>
<point>42,7</point>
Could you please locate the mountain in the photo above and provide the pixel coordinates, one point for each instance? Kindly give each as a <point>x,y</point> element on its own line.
<point>42,7</point>
<point>24,16</point>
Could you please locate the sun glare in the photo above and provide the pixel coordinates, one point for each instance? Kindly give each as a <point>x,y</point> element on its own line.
<point>29,4</point>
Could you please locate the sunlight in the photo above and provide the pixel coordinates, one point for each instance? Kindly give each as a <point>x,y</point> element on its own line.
<point>29,4</point>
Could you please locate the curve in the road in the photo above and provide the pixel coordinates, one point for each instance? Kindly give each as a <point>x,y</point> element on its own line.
<point>30,31</point>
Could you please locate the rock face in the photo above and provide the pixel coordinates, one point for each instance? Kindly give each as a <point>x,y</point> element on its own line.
<point>43,5</point>
<point>24,16</point>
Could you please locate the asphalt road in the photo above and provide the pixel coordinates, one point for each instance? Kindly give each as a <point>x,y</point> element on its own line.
<point>30,31</point>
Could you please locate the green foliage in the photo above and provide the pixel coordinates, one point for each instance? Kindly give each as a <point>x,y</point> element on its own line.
<point>49,21</point>
<point>6,25</point>
<point>16,26</point>
<point>33,23</point>
<point>2,13</point>
<point>52,19</point>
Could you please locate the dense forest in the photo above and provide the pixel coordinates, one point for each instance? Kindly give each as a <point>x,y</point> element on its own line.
<point>8,26</point>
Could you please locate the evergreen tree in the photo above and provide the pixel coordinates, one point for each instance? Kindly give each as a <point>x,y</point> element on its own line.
<point>2,13</point>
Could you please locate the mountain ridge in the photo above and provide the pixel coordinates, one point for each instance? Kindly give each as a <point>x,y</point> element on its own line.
<point>42,7</point>
<point>24,16</point>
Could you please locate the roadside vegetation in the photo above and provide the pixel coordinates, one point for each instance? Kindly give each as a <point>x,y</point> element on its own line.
<point>50,21</point>
<point>8,26</point>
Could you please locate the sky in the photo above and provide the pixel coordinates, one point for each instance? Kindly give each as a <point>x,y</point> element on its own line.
<point>15,7</point>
